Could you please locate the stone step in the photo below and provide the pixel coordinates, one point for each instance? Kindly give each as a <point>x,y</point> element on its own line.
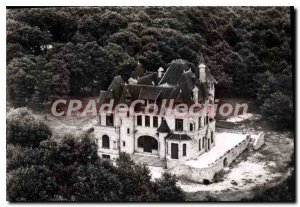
<point>147,159</point>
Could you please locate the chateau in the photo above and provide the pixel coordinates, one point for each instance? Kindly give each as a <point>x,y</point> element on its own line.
<point>168,137</point>
<point>185,144</point>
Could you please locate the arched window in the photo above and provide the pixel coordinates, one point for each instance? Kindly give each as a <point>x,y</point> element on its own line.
<point>105,141</point>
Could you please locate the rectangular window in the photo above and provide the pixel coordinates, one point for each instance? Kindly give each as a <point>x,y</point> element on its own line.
<point>184,150</point>
<point>155,121</point>
<point>206,119</point>
<point>191,127</point>
<point>203,142</point>
<point>128,131</point>
<point>139,120</point>
<point>105,156</point>
<point>147,121</point>
<point>200,144</point>
<point>110,120</point>
<point>174,151</point>
<point>124,143</point>
<point>212,137</point>
<point>179,124</point>
<point>199,124</point>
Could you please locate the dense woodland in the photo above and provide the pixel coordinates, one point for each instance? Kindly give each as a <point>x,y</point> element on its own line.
<point>61,52</point>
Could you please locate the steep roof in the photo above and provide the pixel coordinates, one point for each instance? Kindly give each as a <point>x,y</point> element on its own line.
<point>209,76</point>
<point>163,128</point>
<point>150,93</point>
<point>174,72</point>
<point>177,83</point>
<point>102,97</point>
<point>115,88</point>
<point>138,72</point>
<point>150,78</point>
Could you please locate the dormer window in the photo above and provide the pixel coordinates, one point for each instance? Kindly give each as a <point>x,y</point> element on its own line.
<point>109,120</point>
<point>179,124</point>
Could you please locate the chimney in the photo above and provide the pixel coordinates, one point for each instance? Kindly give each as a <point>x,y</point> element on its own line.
<point>202,68</point>
<point>195,94</point>
<point>160,72</point>
<point>202,73</point>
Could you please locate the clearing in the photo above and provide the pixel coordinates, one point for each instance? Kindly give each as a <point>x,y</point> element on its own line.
<point>249,172</point>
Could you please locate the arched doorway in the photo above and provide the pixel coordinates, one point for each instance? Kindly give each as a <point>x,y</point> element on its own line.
<point>148,143</point>
<point>225,163</point>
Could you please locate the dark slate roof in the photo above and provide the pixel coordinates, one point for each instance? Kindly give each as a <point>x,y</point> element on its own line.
<point>150,93</point>
<point>102,97</point>
<point>177,83</point>
<point>209,76</point>
<point>179,137</point>
<point>147,92</point>
<point>126,92</point>
<point>138,72</point>
<point>163,128</point>
<point>110,94</point>
<point>174,72</point>
<point>165,93</point>
<point>201,61</point>
<point>115,88</point>
<point>150,78</point>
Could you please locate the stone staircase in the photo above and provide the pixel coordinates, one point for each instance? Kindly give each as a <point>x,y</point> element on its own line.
<point>148,159</point>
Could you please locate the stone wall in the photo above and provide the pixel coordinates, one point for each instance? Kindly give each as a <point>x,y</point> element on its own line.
<point>113,134</point>
<point>200,174</point>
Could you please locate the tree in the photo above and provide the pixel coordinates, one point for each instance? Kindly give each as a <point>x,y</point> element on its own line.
<point>22,128</point>
<point>278,109</point>
<point>31,183</point>
<point>60,84</point>
<point>166,189</point>
<point>83,48</point>
<point>136,184</point>
<point>20,79</point>
<point>32,38</point>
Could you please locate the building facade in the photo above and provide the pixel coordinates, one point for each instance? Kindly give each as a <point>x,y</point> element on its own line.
<point>170,135</point>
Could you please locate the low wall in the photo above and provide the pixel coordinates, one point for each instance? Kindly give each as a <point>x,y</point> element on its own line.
<point>200,174</point>
<point>259,141</point>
